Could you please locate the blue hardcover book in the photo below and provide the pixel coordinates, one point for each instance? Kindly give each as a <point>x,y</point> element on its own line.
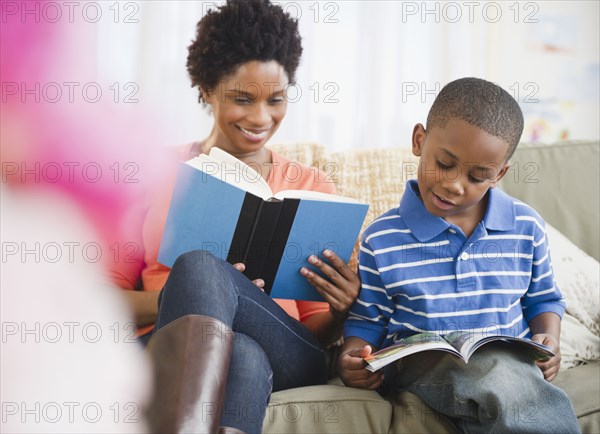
<point>221,205</point>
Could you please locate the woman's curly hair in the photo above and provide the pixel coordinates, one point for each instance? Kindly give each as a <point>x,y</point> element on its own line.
<point>238,32</point>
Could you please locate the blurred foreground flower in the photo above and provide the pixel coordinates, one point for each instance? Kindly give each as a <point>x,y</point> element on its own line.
<point>74,176</point>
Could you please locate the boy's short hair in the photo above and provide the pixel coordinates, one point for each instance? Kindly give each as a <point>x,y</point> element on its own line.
<point>482,104</point>
<point>238,32</point>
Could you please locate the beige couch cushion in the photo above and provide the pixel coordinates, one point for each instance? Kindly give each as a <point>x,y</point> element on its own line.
<point>411,415</point>
<point>582,384</point>
<point>578,345</point>
<point>562,182</point>
<point>331,408</point>
<point>578,276</point>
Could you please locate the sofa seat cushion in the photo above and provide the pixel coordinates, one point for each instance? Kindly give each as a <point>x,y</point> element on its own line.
<point>582,384</point>
<point>329,408</point>
<point>412,415</point>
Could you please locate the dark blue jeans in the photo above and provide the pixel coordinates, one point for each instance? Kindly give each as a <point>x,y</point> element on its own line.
<point>271,350</point>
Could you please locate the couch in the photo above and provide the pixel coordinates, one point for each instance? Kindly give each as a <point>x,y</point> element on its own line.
<point>561,181</point>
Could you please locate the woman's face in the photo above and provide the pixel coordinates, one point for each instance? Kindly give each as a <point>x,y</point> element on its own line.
<point>248,106</point>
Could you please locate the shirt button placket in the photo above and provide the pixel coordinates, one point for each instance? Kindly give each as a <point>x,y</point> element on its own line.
<point>465,266</point>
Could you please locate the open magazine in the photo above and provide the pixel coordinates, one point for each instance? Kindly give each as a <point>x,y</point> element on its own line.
<point>460,343</point>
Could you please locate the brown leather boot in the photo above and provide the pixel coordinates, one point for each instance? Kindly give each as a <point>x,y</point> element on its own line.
<point>191,358</point>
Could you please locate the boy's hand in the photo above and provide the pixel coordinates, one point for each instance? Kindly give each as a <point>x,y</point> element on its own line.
<point>258,282</point>
<point>549,367</point>
<point>352,370</point>
<point>343,285</point>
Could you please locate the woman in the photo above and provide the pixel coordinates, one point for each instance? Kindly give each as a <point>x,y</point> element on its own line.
<point>221,345</point>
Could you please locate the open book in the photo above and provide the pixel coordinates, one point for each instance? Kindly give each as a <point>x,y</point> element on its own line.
<point>460,343</point>
<point>222,205</point>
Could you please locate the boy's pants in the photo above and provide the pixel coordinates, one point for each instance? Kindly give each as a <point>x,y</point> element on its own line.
<point>498,391</point>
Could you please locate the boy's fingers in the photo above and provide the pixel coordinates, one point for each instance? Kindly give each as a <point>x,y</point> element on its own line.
<point>239,266</point>
<point>549,365</point>
<point>360,352</point>
<point>354,363</point>
<point>372,381</point>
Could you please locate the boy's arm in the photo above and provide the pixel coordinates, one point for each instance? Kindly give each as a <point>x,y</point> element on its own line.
<point>351,365</point>
<point>546,330</point>
<point>543,303</point>
<point>543,295</point>
<point>369,318</point>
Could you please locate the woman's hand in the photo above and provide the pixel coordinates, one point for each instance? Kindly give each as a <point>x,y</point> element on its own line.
<point>258,282</point>
<point>343,285</point>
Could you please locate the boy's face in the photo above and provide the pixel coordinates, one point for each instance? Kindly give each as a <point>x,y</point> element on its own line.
<point>458,164</point>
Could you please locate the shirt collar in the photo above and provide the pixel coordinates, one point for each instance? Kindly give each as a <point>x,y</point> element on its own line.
<point>499,215</point>
<point>423,225</point>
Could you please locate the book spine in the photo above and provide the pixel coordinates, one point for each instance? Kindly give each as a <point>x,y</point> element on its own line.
<point>262,239</point>
<point>244,228</point>
<point>281,233</point>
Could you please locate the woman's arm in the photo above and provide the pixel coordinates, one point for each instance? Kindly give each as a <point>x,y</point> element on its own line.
<point>325,326</point>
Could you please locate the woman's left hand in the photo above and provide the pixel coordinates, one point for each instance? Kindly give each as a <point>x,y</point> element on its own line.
<point>240,266</point>
<point>343,285</point>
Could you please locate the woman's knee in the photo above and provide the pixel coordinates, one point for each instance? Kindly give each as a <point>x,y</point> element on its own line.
<point>196,260</point>
<point>198,284</point>
<point>196,269</point>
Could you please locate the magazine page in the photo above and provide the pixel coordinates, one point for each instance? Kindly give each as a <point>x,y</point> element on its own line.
<point>467,342</point>
<point>535,350</point>
<point>407,346</point>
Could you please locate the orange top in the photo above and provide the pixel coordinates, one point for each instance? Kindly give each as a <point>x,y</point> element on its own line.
<point>284,175</point>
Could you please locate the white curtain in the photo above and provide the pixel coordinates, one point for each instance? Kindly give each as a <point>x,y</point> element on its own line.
<point>371,69</point>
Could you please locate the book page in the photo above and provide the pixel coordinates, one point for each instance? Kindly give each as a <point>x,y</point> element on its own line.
<point>229,169</point>
<point>313,195</point>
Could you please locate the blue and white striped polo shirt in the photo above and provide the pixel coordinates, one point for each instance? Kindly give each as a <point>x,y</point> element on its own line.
<point>420,273</point>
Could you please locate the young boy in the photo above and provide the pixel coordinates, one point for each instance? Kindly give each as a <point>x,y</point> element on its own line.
<point>459,254</point>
